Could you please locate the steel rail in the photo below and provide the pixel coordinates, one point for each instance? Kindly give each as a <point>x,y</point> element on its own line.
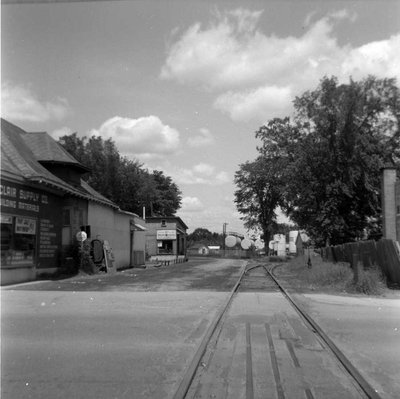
<point>351,369</point>
<point>194,364</point>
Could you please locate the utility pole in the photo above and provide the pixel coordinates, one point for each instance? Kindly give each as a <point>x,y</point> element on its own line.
<point>223,236</point>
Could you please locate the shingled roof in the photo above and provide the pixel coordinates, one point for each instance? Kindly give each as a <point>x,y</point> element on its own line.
<point>20,163</point>
<point>47,150</point>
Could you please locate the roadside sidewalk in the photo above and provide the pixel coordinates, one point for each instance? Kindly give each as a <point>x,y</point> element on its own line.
<point>366,330</point>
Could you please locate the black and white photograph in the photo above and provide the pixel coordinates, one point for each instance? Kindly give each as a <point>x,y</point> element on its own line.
<point>200,199</point>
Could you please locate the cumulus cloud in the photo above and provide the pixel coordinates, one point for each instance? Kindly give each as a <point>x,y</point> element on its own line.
<point>251,71</point>
<point>145,137</point>
<point>201,173</point>
<point>204,169</point>
<point>19,103</point>
<point>204,138</point>
<point>259,104</point>
<point>213,218</point>
<point>63,131</point>
<point>191,204</point>
<point>380,58</point>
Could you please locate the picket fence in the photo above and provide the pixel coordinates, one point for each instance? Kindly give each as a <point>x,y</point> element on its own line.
<point>383,253</point>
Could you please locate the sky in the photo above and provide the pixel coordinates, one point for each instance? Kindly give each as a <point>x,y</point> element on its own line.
<point>182,86</point>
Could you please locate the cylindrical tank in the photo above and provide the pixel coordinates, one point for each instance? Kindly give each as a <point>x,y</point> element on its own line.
<point>280,244</point>
<point>245,244</point>
<point>259,244</point>
<point>231,241</point>
<point>292,241</point>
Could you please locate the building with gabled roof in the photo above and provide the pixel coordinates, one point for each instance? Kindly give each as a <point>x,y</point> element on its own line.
<point>45,202</point>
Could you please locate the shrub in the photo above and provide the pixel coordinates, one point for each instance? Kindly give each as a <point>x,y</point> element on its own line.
<point>85,260</point>
<point>370,282</point>
<point>334,276</point>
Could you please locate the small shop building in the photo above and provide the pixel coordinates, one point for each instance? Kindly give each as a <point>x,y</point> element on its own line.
<point>45,203</point>
<point>165,238</point>
<point>198,249</point>
<point>203,249</point>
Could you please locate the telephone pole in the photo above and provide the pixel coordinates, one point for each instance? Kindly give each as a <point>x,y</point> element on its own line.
<point>223,236</point>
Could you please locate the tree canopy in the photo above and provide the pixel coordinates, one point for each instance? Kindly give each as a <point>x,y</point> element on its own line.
<point>330,156</point>
<point>202,235</point>
<point>124,181</point>
<point>259,192</point>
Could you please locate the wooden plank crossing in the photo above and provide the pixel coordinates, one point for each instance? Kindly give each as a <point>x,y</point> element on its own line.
<point>264,350</point>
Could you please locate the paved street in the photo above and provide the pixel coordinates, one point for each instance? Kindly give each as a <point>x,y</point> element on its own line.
<point>132,335</point>
<point>122,336</point>
<point>367,330</point>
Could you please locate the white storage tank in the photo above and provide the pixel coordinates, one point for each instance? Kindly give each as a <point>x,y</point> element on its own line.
<point>280,244</point>
<point>231,241</point>
<point>259,244</point>
<point>246,244</point>
<point>292,241</point>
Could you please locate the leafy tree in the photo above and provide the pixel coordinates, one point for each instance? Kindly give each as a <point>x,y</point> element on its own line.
<point>75,146</point>
<point>202,235</point>
<point>260,191</point>
<point>122,180</point>
<point>341,136</point>
<point>168,197</point>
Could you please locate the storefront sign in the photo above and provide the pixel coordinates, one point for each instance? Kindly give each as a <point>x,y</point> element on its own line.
<point>32,219</point>
<point>166,234</point>
<point>25,226</point>
<point>19,198</point>
<point>6,219</point>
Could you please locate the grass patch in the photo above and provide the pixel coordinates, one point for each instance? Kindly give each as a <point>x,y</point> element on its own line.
<point>330,277</point>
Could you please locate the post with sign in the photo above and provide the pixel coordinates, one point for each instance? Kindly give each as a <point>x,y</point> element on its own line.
<point>81,236</point>
<point>108,257</point>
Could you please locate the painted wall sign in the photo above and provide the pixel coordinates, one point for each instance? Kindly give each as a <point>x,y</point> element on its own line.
<point>48,239</point>
<point>166,234</point>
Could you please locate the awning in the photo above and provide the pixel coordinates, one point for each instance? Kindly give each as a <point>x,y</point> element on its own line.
<point>139,227</point>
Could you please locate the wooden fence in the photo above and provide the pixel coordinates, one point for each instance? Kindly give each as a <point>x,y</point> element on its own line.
<point>384,253</point>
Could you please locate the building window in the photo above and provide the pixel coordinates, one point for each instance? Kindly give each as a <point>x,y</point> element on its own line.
<point>164,247</point>
<point>18,241</point>
<point>80,216</point>
<point>163,223</point>
<point>67,217</point>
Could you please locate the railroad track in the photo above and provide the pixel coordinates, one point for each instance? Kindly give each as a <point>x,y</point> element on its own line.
<point>262,344</point>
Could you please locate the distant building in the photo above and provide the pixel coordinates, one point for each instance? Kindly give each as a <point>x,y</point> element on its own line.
<point>203,249</point>
<point>302,240</point>
<point>214,249</point>
<point>44,203</point>
<point>165,237</point>
<point>198,249</point>
<point>390,204</point>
